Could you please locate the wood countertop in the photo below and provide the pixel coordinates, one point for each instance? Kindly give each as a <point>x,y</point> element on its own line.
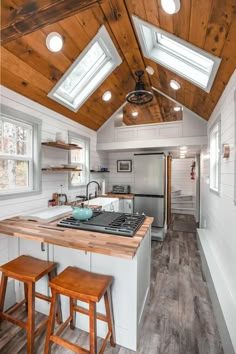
<point>107,244</point>
<point>120,196</point>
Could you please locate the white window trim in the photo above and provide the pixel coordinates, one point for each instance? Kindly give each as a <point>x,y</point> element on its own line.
<point>149,46</point>
<point>86,140</point>
<point>212,128</point>
<point>235,147</point>
<point>104,39</point>
<point>35,171</point>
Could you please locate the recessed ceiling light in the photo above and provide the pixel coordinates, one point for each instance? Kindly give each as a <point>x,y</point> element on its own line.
<point>149,70</point>
<point>106,96</point>
<point>170,6</point>
<point>182,157</point>
<point>177,108</point>
<point>175,85</point>
<point>183,148</point>
<point>54,42</point>
<point>134,114</point>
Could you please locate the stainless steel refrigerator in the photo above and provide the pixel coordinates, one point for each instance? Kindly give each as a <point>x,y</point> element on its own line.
<point>149,186</point>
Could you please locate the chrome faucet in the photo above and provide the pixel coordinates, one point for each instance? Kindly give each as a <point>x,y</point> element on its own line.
<point>99,188</point>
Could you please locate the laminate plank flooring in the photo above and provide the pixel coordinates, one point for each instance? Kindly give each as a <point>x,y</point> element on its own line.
<point>179,318</point>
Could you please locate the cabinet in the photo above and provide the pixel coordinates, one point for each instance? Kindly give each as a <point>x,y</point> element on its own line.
<point>60,145</point>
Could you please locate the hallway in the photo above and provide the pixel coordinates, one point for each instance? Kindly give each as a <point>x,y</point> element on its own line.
<point>179,318</point>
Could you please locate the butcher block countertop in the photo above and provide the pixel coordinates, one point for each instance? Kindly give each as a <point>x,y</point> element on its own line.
<point>107,244</point>
<point>120,196</point>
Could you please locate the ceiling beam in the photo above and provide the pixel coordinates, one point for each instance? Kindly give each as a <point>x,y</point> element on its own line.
<point>33,15</point>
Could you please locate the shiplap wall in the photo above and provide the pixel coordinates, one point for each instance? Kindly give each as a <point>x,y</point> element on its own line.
<point>120,177</point>
<point>52,122</point>
<point>218,211</point>
<point>181,179</point>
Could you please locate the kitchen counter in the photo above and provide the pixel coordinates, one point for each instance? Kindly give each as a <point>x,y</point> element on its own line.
<point>106,244</point>
<point>120,196</point>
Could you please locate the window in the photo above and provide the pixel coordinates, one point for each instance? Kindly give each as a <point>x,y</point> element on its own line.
<point>19,154</point>
<point>88,71</point>
<point>190,62</point>
<point>215,157</point>
<point>81,159</point>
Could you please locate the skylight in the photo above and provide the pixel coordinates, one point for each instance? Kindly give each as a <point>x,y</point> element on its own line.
<point>190,62</point>
<point>87,73</point>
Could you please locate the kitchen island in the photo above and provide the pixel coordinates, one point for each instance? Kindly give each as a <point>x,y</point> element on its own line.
<point>127,259</point>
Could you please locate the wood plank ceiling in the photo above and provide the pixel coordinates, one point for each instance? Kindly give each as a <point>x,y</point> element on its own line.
<point>28,68</point>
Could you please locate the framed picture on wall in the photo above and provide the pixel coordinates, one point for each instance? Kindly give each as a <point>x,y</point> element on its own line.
<point>124,165</point>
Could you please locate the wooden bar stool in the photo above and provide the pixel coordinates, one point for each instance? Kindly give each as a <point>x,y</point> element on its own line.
<point>28,270</point>
<point>88,287</point>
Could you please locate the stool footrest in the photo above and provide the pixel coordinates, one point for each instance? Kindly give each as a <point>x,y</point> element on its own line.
<point>43,297</point>
<point>63,326</point>
<point>15,307</point>
<point>65,343</point>
<point>41,327</point>
<point>84,311</point>
<point>14,320</point>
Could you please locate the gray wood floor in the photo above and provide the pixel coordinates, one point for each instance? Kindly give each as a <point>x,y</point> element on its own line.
<point>179,318</point>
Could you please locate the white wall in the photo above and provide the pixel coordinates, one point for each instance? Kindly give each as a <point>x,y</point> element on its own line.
<point>120,177</point>
<point>181,179</point>
<point>218,212</point>
<point>51,181</point>
<point>190,131</point>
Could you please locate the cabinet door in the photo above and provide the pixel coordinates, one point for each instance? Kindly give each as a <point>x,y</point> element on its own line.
<point>37,250</point>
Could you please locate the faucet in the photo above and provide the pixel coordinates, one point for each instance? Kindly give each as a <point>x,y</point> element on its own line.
<point>99,188</point>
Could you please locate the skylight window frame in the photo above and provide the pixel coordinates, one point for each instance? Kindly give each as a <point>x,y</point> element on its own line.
<point>151,49</point>
<point>112,56</point>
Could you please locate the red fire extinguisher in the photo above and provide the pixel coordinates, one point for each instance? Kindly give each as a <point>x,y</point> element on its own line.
<point>192,173</point>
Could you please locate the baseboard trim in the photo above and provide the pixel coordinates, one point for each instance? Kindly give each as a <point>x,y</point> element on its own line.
<point>218,294</point>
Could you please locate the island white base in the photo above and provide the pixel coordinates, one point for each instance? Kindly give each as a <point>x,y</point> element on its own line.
<point>130,288</point>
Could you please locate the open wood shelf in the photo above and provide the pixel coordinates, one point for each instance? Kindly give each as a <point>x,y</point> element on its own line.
<point>92,171</point>
<point>61,145</point>
<point>61,169</point>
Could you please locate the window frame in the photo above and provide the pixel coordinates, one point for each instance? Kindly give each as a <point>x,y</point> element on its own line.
<point>85,140</point>
<point>216,124</point>
<point>105,41</point>
<point>150,49</point>
<point>35,183</point>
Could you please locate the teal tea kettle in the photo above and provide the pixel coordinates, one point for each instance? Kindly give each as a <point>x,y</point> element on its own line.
<point>82,213</point>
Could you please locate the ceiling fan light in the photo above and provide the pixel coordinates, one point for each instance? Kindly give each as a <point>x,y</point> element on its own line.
<point>175,85</point>
<point>139,96</point>
<point>54,42</point>
<point>106,96</point>
<point>170,6</point>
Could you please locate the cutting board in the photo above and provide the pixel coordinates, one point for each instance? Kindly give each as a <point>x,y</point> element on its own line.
<point>48,214</point>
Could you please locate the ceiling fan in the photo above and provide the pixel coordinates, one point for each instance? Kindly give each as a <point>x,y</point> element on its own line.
<point>139,96</point>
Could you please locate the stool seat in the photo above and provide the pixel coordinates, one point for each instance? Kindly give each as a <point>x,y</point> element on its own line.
<point>26,268</point>
<point>79,284</point>
<point>76,282</point>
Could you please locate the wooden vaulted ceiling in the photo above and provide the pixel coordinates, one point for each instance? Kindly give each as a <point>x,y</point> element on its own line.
<point>28,68</point>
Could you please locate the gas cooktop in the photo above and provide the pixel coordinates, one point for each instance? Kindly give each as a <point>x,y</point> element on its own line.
<point>107,222</point>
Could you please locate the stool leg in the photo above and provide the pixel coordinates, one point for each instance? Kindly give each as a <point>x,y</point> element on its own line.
<point>92,328</point>
<point>51,322</point>
<point>52,275</point>
<point>72,314</point>
<point>31,318</point>
<point>3,289</point>
<point>107,297</point>
<point>26,295</point>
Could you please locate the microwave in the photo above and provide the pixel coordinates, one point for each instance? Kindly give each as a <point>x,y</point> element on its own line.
<point>121,189</point>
